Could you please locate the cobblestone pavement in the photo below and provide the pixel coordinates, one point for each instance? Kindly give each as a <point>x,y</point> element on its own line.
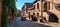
<point>18,23</point>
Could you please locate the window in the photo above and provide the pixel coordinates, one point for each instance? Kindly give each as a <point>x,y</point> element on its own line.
<point>37,5</point>
<point>34,6</point>
<point>57,6</point>
<point>44,18</point>
<point>29,15</point>
<point>45,7</point>
<point>48,5</point>
<point>33,13</point>
<point>37,14</point>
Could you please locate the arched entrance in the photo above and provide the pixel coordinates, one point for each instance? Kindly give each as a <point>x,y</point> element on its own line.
<point>53,18</point>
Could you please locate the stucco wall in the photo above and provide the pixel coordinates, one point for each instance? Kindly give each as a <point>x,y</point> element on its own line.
<point>53,8</point>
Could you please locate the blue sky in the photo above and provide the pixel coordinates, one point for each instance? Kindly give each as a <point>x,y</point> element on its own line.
<point>20,3</point>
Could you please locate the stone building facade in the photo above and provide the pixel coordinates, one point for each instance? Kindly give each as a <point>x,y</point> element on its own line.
<point>30,12</point>
<point>39,10</point>
<point>54,8</point>
<point>47,10</point>
<point>26,10</point>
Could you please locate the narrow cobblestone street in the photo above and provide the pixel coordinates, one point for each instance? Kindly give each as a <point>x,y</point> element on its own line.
<point>18,23</point>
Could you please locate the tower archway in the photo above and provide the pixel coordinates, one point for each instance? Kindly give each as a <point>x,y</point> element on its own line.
<point>53,18</point>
